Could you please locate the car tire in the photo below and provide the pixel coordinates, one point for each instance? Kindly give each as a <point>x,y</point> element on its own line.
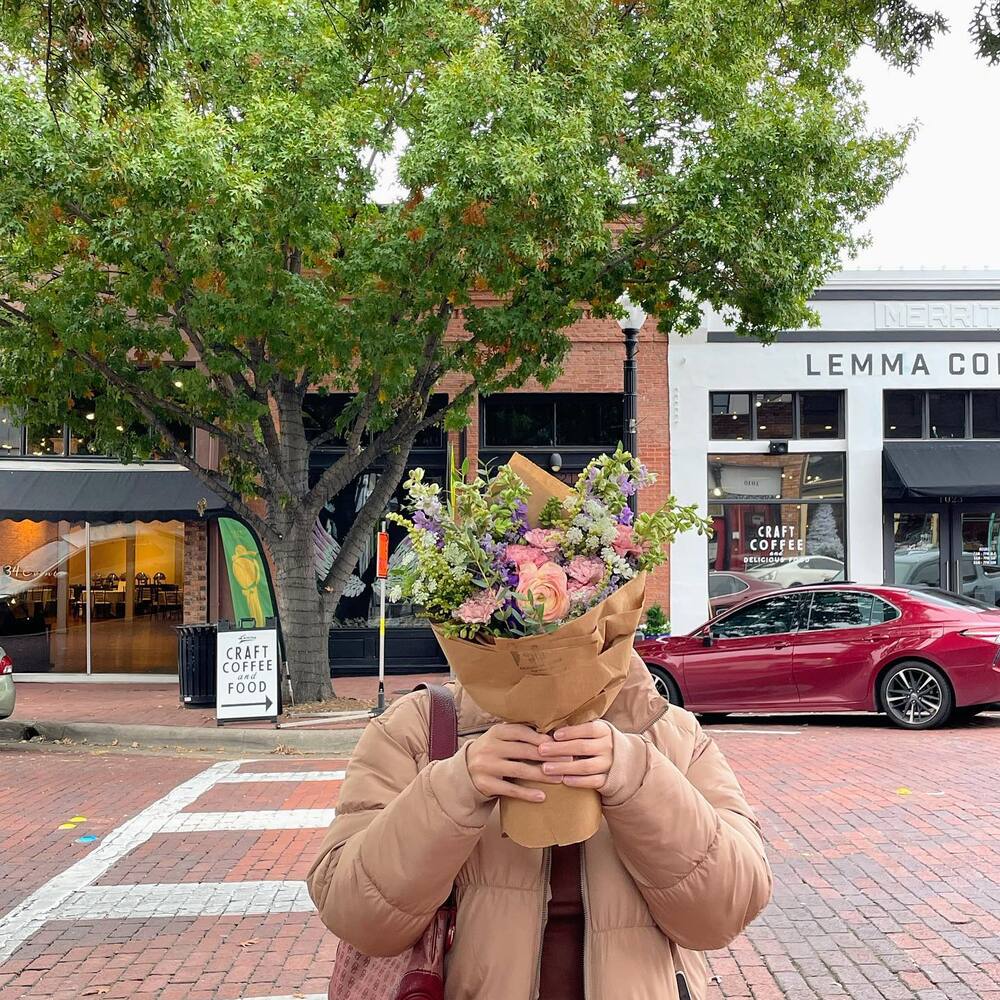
<point>915,695</point>
<point>666,686</point>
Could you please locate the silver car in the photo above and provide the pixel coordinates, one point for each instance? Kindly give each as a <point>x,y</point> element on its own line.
<point>6,685</point>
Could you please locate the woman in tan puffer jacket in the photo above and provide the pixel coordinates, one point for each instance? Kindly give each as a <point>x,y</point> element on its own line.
<point>676,868</point>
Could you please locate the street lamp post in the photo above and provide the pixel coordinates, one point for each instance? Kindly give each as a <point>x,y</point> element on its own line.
<point>631,324</point>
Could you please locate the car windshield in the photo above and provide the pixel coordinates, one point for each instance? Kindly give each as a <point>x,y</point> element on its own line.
<point>947,598</point>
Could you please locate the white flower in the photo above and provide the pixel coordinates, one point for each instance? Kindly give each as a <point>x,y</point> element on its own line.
<point>574,536</point>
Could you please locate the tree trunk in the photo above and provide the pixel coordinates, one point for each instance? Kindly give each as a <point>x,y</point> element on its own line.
<point>304,625</point>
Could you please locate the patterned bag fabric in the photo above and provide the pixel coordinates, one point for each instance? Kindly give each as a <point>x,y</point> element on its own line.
<point>417,974</point>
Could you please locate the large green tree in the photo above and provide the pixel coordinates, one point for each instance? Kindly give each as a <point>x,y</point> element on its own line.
<point>225,216</point>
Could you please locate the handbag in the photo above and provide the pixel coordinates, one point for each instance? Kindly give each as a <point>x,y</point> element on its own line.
<point>417,974</point>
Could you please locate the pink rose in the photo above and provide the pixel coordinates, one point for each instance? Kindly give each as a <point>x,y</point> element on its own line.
<point>625,543</point>
<point>478,609</point>
<point>544,585</point>
<point>546,539</point>
<point>585,570</point>
<point>525,555</point>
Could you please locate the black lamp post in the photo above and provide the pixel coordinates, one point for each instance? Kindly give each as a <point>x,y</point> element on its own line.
<point>631,324</point>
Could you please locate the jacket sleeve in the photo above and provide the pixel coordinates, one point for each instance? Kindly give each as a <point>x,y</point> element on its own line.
<point>689,839</point>
<point>399,838</point>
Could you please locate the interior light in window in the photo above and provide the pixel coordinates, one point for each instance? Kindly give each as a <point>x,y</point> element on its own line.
<point>892,427</point>
<point>828,427</point>
<point>717,491</point>
<point>763,427</point>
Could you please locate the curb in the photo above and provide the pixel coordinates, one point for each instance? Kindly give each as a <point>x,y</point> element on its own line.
<point>338,742</point>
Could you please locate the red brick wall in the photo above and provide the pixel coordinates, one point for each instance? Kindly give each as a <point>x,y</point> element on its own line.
<point>594,364</point>
<point>195,572</point>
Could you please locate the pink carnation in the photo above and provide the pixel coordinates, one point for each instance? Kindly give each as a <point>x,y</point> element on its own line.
<point>479,609</point>
<point>546,539</point>
<point>625,543</point>
<point>525,555</point>
<point>544,585</point>
<point>585,570</point>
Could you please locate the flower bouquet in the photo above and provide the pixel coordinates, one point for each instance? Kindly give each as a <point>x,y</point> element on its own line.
<point>535,589</point>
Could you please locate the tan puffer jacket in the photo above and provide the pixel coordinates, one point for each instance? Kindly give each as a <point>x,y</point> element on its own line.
<point>677,867</point>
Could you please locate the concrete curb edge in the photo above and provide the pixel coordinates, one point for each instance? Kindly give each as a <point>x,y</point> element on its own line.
<point>335,742</point>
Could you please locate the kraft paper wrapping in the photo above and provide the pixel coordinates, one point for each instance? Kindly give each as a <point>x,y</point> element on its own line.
<point>565,677</point>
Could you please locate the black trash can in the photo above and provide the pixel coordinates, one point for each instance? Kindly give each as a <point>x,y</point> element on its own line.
<point>196,665</point>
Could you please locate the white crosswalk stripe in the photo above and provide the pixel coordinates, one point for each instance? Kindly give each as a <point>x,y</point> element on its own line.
<point>252,819</point>
<point>186,899</point>
<point>246,776</point>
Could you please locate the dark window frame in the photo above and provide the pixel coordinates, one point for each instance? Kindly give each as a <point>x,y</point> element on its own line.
<point>553,398</point>
<point>925,415</point>
<point>796,394</point>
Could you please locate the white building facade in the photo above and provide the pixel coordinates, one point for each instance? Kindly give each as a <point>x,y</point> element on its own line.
<point>867,448</point>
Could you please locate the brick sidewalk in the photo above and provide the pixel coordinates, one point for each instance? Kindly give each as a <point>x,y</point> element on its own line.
<point>159,704</point>
<point>884,847</point>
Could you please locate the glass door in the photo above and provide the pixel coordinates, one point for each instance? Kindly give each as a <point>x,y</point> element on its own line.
<point>974,568</point>
<point>917,545</point>
<point>952,546</point>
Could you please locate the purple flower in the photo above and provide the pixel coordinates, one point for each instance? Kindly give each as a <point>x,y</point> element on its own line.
<point>426,523</point>
<point>627,485</point>
<point>521,526</point>
<point>625,516</point>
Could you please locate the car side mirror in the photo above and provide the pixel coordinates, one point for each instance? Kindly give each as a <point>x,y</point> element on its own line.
<point>707,637</point>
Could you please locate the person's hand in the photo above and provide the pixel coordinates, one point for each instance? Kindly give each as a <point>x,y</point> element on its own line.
<point>505,752</point>
<point>580,755</point>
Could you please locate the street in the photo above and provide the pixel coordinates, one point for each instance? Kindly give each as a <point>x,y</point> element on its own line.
<point>883,844</point>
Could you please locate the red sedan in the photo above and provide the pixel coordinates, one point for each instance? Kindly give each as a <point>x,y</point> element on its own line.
<point>921,656</point>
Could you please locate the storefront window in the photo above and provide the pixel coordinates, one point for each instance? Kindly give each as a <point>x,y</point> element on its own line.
<point>820,415</point>
<point>986,414</point>
<point>563,431</point>
<point>45,439</point>
<point>135,594</point>
<point>518,419</point>
<point>10,433</point>
<point>731,416</point>
<point>946,414</point>
<point>904,414</point>
<point>793,476</point>
<point>591,420</point>
<point>779,520</point>
<point>775,415</point>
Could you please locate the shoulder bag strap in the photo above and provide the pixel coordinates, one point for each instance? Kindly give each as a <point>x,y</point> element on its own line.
<point>443,741</point>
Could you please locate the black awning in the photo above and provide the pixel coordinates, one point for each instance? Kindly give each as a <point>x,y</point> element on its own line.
<point>917,470</point>
<point>103,494</point>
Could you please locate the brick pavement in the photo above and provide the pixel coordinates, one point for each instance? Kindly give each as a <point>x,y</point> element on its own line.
<point>884,846</point>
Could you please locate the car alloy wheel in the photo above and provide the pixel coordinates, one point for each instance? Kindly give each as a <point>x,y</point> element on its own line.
<point>665,685</point>
<point>916,696</point>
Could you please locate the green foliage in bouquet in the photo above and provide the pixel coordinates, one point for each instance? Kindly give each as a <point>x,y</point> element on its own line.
<point>477,567</point>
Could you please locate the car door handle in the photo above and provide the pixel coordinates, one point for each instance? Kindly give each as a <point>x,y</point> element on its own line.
<point>782,645</point>
<point>876,638</point>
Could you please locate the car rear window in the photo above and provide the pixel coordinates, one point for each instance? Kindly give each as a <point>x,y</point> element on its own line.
<point>948,599</point>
